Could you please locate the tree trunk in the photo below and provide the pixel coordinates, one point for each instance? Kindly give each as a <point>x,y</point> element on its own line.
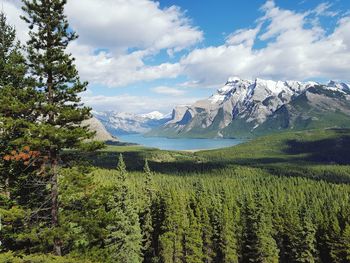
<point>7,187</point>
<point>54,203</point>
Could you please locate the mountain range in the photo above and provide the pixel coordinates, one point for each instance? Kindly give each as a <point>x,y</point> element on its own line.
<point>248,108</point>
<point>122,123</point>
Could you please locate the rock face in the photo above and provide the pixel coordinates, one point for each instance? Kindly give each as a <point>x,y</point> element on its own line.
<point>121,123</point>
<point>101,133</point>
<point>246,108</point>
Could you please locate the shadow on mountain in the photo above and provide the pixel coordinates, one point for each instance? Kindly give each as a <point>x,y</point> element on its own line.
<point>297,158</point>
<point>135,161</point>
<point>326,151</point>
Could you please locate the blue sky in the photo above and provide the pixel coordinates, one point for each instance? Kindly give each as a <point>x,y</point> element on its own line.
<point>144,55</point>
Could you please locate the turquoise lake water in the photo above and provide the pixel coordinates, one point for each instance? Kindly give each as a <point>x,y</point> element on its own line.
<point>180,144</point>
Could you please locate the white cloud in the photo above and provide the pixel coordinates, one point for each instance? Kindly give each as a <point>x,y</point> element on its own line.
<point>125,24</point>
<point>168,91</point>
<point>117,36</point>
<point>323,10</point>
<point>243,36</point>
<point>12,9</point>
<point>109,29</point>
<point>115,71</point>
<point>213,65</point>
<point>293,49</point>
<point>135,104</point>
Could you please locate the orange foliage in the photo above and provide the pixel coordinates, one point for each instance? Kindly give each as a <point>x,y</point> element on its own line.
<point>25,155</point>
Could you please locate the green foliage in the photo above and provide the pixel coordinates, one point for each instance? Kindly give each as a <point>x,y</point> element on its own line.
<point>17,104</point>
<point>9,257</point>
<point>56,77</point>
<point>230,214</point>
<point>193,243</point>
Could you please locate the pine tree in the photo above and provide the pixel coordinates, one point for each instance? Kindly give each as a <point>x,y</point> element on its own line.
<point>171,240</point>
<point>259,245</point>
<point>346,243</point>
<point>202,203</point>
<point>289,234</point>
<point>207,235</point>
<point>147,233</point>
<point>12,62</point>
<point>148,181</point>
<point>228,241</point>
<point>193,243</point>
<point>215,218</point>
<point>306,242</point>
<point>17,104</point>
<point>124,240</point>
<point>334,240</point>
<point>146,216</point>
<point>56,77</point>
<point>122,174</point>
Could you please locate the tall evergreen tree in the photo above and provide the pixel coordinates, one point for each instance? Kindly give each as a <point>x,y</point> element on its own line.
<point>124,238</point>
<point>148,180</point>
<point>17,104</point>
<point>228,241</point>
<point>56,77</point>
<point>193,244</point>
<point>259,245</point>
<point>171,240</point>
<point>122,174</point>
<point>12,62</point>
<point>146,217</point>
<point>334,240</point>
<point>346,243</point>
<point>306,242</point>
<point>202,203</point>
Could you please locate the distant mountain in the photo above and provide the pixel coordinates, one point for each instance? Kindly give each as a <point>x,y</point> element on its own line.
<point>246,108</point>
<point>101,133</point>
<point>121,123</point>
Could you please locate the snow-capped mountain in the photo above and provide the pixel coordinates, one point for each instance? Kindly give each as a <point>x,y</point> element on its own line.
<point>242,108</point>
<point>154,115</point>
<point>121,123</point>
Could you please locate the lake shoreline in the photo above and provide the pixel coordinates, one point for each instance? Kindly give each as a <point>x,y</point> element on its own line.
<point>180,144</point>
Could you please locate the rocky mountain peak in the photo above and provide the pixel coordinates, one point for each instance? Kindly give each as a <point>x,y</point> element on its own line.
<point>248,104</point>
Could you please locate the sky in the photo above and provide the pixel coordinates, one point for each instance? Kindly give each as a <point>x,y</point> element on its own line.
<point>144,55</point>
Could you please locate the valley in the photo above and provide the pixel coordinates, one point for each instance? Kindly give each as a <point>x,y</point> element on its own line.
<point>276,188</point>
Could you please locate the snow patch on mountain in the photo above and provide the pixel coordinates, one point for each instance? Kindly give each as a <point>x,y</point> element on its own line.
<point>121,123</point>
<point>242,101</point>
<point>154,115</point>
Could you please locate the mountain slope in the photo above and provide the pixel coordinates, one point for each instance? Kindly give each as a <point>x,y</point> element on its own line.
<point>121,123</point>
<point>101,133</point>
<point>317,107</point>
<point>245,108</point>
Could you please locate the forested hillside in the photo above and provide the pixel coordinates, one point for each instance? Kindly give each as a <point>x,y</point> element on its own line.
<point>226,205</point>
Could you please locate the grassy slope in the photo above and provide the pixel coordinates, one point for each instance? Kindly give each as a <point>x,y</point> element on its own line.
<point>318,154</point>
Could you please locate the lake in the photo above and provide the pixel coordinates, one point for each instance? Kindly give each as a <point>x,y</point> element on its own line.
<point>179,144</point>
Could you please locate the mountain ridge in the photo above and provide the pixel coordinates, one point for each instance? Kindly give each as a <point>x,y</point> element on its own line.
<point>101,134</point>
<point>122,123</point>
<point>247,108</point>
